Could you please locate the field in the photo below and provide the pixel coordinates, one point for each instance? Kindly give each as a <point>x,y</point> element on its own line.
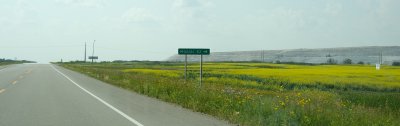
<point>265,94</point>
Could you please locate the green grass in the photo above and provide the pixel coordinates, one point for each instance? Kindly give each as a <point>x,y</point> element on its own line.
<point>265,94</point>
<point>2,63</point>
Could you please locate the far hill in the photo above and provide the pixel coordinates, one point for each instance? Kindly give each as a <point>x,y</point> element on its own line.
<point>369,54</point>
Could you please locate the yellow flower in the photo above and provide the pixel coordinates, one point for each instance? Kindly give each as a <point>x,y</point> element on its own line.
<point>302,102</point>
<point>282,103</point>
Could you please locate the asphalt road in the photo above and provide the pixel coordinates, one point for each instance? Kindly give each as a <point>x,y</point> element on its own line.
<point>49,95</point>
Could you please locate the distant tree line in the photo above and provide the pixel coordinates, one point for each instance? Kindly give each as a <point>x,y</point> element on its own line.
<point>6,60</point>
<point>9,61</point>
<point>347,61</point>
<point>331,61</point>
<point>396,64</point>
<point>294,63</point>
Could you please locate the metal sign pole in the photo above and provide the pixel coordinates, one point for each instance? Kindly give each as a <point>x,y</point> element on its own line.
<point>185,67</point>
<point>201,69</point>
<point>194,51</point>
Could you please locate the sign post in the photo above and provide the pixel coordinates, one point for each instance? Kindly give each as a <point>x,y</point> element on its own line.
<point>194,51</point>
<point>201,69</point>
<point>185,67</point>
<point>93,58</point>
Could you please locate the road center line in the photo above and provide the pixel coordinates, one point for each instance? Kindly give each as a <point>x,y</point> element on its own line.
<point>2,90</point>
<point>101,100</point>
<point>14,82</point>
<point>29,71</point>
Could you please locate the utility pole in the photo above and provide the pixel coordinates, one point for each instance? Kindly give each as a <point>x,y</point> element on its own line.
<point>84,58</point>
<point>93,51</point>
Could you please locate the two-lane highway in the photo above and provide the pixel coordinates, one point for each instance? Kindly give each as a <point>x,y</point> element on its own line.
<point>48,95</point>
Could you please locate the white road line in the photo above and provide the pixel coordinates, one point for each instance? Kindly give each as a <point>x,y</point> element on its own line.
<point>2,90</point>
<point>3,68</point>
<point>101,100</point>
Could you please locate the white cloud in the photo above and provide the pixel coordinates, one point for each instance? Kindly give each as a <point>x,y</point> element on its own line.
<point>388,7</point>
<point>84,3</point>
<point>138,15</point>
<point>333,9</point>
<point>191,8</point>
<point>192,3</point>
<point>186,3</point>
<point>20,12</point>
<point>287,18</point>
<point>388,15</point>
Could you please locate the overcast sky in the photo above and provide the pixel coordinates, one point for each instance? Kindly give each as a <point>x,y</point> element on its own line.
<point>48,30</point>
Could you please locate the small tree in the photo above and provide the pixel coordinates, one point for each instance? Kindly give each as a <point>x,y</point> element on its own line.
<point>331,61</point>
<point>396,64</point>
<point>361,63</point>
<point>347,61</point>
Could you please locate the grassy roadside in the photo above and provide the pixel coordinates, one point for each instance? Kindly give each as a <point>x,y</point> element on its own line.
<point>3,63</point>
<point>263,94</point>
<point>7,63</point>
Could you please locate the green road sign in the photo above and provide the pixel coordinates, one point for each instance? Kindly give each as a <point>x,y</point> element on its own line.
<point>93,57</point>
<point>189,51</point>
